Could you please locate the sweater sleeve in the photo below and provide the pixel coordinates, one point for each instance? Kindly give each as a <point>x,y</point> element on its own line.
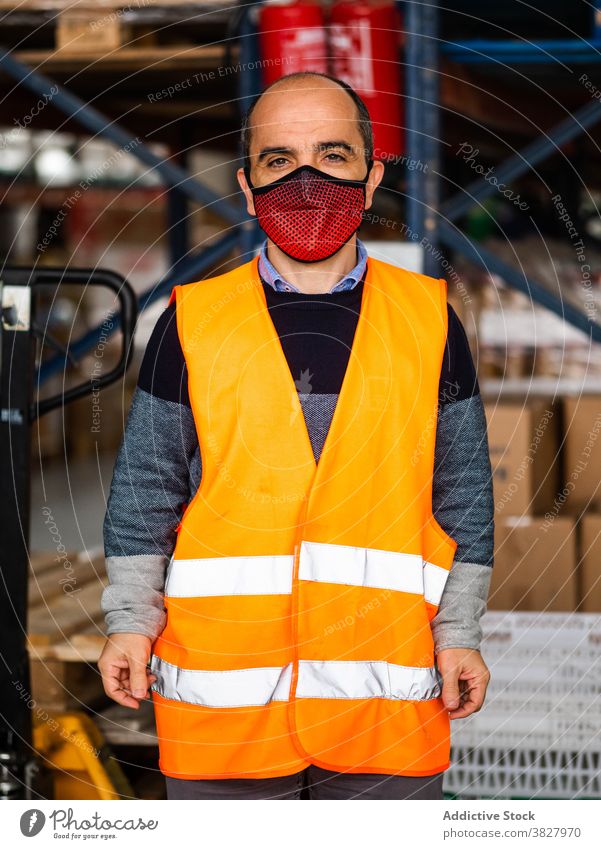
<point>462,496</point>
<point>156,473</point>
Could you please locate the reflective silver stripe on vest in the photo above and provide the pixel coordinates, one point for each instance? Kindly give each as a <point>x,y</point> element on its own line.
<point>435,578</point>
<point>229,688</point>
<point>361,567</point>
<point>258,575</point>
<point>322,562</point>
<point>331,679</point>
<point>371,567</point>
<point>349,679</point>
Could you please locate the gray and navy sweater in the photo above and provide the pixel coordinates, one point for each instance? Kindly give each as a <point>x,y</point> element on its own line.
<point>158,467</point>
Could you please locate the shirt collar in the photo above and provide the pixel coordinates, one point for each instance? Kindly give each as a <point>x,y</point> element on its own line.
<point>269,274</point>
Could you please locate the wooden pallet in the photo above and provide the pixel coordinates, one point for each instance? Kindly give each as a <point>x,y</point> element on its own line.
<point>65,620</point>
<point>65,630</point>
<point>158,59</point>
<point>65,639</point>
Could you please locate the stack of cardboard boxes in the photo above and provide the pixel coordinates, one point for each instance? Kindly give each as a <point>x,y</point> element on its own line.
<point>546,458</point>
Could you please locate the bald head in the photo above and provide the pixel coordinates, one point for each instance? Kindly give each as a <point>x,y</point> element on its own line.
<point>298,99</point>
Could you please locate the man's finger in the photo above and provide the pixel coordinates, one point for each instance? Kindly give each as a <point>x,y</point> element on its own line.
<point>450,689</point>
<point>126,683</point>
<point>472,700</point>
<point>113,687</point>
<point>138,676</point>
<point>108,667</point>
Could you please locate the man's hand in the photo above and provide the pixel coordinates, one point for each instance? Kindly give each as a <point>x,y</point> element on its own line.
<point>465,679</point>
<point>122,665</point>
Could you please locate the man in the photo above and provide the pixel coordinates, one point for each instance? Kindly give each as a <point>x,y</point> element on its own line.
<point>306,452</point>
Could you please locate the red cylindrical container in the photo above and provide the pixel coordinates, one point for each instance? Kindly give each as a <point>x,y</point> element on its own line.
<point>365,40</point>
<point>292,37</point>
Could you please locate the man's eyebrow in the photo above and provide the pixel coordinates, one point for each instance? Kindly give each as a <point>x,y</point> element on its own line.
<point>328,144</point>
<point>267,150</point>
<point>324,145</point>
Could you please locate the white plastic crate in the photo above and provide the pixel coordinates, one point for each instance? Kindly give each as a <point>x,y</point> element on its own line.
<point>497,773</point>
<point>540,728</point>
<point>545,682</point>
<point>520,730</point>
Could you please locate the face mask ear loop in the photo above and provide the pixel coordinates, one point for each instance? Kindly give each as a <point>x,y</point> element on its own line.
<point>247,175</point>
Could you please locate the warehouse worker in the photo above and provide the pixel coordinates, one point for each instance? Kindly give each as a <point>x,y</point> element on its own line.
<point>299,527</point>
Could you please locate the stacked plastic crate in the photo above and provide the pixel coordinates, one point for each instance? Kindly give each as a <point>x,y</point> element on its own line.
<point>539,732</point>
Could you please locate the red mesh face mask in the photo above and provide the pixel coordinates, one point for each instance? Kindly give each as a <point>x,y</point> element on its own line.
<point>309,214</point>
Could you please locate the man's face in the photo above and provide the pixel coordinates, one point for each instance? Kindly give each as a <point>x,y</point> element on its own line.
<point>313,123</point>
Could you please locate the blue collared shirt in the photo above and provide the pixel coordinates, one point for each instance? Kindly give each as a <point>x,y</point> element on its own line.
<point>269,274</point>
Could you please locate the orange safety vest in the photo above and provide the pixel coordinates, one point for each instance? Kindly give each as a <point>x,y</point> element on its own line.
<point>299,596</point>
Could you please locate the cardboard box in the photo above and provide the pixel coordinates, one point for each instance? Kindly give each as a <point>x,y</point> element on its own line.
<point>535,564</point>
<point>90,31</point>
<point>523,440</point>
<point>582,455</point>
<point>589,564</point>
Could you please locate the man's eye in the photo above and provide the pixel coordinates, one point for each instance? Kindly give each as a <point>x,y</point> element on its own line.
<point>278,161</point>
<point>335,157</point>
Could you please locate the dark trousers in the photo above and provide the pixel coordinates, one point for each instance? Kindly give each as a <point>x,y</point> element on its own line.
<point>311,783</point>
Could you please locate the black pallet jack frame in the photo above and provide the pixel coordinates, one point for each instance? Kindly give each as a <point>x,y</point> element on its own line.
<point>21,776</point>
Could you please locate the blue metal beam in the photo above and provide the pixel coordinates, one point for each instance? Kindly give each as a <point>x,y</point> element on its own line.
<point>423,124</point>
<point>520,52</point>
<point>533,153</point>
<point>250,83</point>
<point>413,116</point>
<point>478,190</point>
<point>250,79</point>
<point>97,123</point>
<point>515,278</point>
<point>192,270</point>
<point>174,176</point>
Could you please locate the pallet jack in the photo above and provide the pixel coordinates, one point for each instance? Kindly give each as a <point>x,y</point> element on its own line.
<point>38,758</point>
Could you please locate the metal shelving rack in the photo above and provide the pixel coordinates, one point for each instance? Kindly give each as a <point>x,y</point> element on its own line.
<point>425,213</point>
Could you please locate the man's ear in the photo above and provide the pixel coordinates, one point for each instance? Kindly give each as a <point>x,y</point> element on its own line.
<point>373,181</point>
<point>250,206</point>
